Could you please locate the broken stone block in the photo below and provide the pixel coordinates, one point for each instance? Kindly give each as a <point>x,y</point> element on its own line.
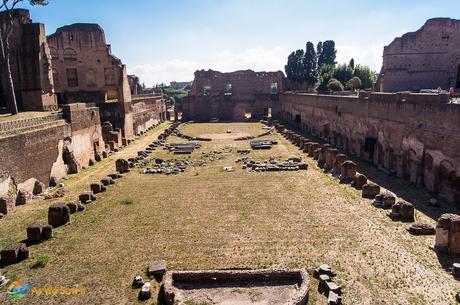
<point>324,278</point>
<point>454,238</point>
<point>456,270</point>
<point>97,187</point>
<point>303,166</point>
<point>370,190</point>
<point>23,197</point>
<point>421,229</point>
<point>359,181</point>
<point>38,232</point>
<point>146,292</point>
<point>388,200</point>
<point>333,287</point>
<point>295,159</point>
<point>347,171</point>
<point>157,268</point>
<point>73,207</point>
<point>402,210</point>
<point>330,155</point>
<point>334,299</point>
<point>14,253</point>
<point>138,282</point>
<point>87,197</point>
<point>39,188</point>
<point>58,214</point>
<point>448,234</point>
<point>6,205</point>
<point>80,207</point>
<point>384,200</point>
<point>338,161</point>
<point>107,181</point>
<point>122,166</point>
<point>323,269</point>
<point>115,175</point>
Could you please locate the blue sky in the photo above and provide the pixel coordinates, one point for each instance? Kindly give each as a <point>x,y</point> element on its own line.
<point>164,40</point>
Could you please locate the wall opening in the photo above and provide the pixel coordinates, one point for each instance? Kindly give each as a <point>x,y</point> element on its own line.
<point>458,77</point>
<point>298,118</point>
<point>369,146</point>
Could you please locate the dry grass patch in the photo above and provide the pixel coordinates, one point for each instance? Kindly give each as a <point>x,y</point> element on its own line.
<point>209,219</point>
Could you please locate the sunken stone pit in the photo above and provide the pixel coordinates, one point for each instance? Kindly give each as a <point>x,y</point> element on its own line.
<point>238,287</point>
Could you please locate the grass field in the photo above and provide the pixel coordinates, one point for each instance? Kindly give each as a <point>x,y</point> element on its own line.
<point>206,218</point>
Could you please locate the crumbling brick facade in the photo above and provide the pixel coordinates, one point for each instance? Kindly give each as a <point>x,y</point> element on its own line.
<point>413,136</point>
<point>426,59</point>
<point>30,63</point>
<point>84,68</point>
<point>230,96</point>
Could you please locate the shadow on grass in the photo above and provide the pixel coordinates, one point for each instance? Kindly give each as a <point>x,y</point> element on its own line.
<point>418,196</point>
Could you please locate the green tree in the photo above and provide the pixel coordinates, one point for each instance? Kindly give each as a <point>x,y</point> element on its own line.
<point>309,64</point>
<point>352,63</point>
<point>366,75</point>
<point>6,29</point>
<point>325,74</point>
<point>326,53</point>
<point>343,73</point>
<point>334,85</point>
<point>354,83</point>
<point>295,70</point>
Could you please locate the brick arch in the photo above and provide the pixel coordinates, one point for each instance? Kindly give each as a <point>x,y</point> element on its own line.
<point>70,54</point>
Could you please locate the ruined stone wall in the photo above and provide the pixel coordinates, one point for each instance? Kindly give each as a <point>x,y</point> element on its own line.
<point>32,154</point>
<point>82,48</point>
<point>147,111</point>
<point>40,153</point>
<point>426,59</point>
<point>228,107</point>
<point>144,111</point>
<point>30,63</point>
<point>243,83</point>
<point>230,96</point>
<point>414,136</point>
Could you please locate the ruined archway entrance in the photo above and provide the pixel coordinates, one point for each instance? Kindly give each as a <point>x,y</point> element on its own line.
<point>241,112</point>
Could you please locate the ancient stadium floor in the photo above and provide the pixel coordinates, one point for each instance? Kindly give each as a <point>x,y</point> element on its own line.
<point>207,218</point>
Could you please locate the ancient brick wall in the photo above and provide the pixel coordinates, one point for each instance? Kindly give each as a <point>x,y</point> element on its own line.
<point>426,59</point>
<point>143,112</point>
<point>230,96</point>
<point>40,153</point>
<point>30,64</point>
<point>32,154</point>
<point>404,134</point>
<point>83,63</point>
<point>147,111</point>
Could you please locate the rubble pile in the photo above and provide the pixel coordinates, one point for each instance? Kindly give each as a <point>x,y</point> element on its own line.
<point>262,144</point>
<point>273,165</point>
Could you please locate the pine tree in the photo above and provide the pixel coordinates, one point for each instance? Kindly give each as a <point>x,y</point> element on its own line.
<point>310,64</point>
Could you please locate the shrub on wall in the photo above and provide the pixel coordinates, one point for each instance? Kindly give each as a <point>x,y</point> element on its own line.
<point>354,83</point>
<point>334,85</point>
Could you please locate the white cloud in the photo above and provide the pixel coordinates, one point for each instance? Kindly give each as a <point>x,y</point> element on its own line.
<point>258,59</point>
<point>369,55</point>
